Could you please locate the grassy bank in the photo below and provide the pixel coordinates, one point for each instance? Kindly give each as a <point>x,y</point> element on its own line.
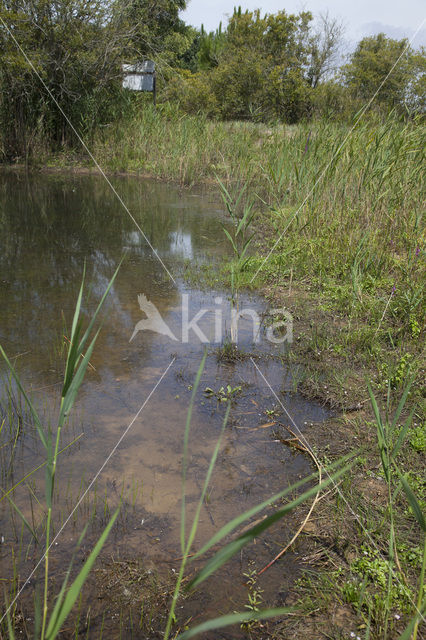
<point>339,221</point>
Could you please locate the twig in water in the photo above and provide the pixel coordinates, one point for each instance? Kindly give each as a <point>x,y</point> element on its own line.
<point>300,529</point>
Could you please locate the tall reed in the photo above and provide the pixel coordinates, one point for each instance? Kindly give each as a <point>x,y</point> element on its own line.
<point>79,353</point>
<point>390,440</point>
<point>325,196</point>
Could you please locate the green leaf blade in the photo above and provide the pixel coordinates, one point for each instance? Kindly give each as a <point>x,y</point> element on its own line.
<point>234,618</point>
<point>60,613</point>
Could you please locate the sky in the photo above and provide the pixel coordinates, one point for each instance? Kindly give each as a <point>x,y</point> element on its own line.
<point>396,18</point>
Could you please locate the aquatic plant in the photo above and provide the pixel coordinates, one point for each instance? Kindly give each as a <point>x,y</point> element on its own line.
<point>81,345</point>
<point>239,240</point>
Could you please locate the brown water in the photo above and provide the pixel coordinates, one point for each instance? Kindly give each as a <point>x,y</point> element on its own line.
<point>49,227</point>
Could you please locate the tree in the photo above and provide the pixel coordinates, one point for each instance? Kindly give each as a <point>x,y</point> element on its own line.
<point>263,66</point>
<point>416,90</point>
<point>375,59</point>
<point>159,33</point>
<point>239,84</point>
<point>211,46</point>
<point>260,66</point>
<point>151,22</point>
<point>325,45</point>
<point>71,47</point>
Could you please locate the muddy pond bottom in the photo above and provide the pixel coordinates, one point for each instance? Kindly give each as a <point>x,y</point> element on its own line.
<point>127,427</point>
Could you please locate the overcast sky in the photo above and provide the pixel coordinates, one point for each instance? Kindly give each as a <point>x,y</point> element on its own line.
<point>396,18</point>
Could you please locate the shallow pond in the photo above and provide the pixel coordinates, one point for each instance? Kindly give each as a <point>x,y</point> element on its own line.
<point>50,227</point>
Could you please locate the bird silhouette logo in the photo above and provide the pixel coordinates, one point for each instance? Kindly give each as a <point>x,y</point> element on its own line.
<point>153,320</point>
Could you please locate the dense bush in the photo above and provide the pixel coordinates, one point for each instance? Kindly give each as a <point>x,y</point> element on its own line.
<point>60,63</point>
<point>193,93</point>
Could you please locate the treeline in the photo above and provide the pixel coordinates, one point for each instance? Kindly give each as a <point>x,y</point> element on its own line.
<point>289,67</point>
<point>60,63</point>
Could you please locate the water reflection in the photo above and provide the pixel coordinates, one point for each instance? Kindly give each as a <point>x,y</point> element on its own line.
<point>50,226</point>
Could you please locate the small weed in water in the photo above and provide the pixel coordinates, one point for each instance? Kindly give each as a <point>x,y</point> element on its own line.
<point>224,394</point>
<point>254,594</point>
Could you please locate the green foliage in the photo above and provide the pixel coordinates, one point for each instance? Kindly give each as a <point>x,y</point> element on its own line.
<point>395,376</point>
<point>416,92</point>
<point>179,50</point>
<point>379,570</point>
<point>417,484</point>
<point>193,93</point>
<point>60,63</point>
<point>374,569</point>
<point>224,394</point>
<point>418,438</point>
<point>151,22</point>
<point>239,84</point>
<point>379,57</point>
<point>410,555</point>
<point>331,100</point>
<point>254,594</point>
<point>210,49</point>
<point>281,66</point>
<point>56,52</point>
<point>288,94</point>
<point>414,326</point>
<point>262,67</point>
